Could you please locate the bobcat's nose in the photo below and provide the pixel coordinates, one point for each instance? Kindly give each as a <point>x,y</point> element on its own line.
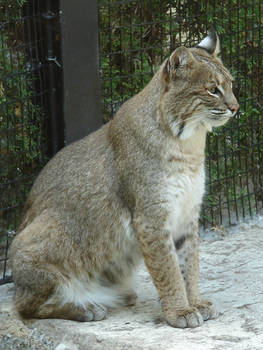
<point>234,107</point>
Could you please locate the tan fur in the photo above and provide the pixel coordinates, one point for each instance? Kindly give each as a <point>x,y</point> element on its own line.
<point>128,190</point>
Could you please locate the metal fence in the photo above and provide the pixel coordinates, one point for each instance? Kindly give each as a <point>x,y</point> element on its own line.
<point>28,136</point>
<point>40,83</point>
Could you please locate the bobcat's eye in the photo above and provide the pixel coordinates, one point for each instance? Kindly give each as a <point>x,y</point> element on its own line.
<point>214,91</point>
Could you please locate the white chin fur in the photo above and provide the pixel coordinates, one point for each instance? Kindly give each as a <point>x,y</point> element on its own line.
<point>216,123</point>
<point>210,123</point>
<point>207,126</point>
<point>187,132</point>
<point>192,129</point>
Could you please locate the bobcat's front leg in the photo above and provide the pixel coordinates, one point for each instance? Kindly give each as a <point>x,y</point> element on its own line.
<point>188,253</point>
<point>157,247</point>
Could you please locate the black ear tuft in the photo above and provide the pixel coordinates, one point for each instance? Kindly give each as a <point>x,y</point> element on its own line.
<point>210,43</point>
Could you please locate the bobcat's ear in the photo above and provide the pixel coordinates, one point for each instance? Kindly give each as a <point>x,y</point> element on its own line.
<point>210,43</point>
<point>181,57</point>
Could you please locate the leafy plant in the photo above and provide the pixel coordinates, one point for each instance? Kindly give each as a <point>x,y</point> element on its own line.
<point>22,125</point>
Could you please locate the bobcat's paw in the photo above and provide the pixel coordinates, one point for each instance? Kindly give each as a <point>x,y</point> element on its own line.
<point>189,317</point>
<point>94,313</point>
<point>207,309</point>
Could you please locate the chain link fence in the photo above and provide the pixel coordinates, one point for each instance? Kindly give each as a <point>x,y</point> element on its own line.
<point>25,127</point>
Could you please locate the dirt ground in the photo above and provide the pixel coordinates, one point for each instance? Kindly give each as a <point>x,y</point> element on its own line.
<point>231,275</point>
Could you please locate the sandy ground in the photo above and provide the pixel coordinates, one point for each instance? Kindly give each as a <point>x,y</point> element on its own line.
<point>231,275</point>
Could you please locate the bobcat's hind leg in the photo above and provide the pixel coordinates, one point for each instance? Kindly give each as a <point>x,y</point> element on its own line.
<point>73,312</point>
<point>40,276</point>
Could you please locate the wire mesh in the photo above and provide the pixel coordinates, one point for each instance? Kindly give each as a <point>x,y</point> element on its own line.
<point>23,123</point>
<point>135,37</point>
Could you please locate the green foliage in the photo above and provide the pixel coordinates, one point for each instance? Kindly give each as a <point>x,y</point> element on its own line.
<point>136,36</point>
<point>21,119</point>
<point>10,10</point>
<point>21,2</point>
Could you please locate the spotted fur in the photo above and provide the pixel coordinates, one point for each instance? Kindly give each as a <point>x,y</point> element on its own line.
<point>127,192</point>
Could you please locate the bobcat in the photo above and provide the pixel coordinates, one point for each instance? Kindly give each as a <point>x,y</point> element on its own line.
<point>131,190</point>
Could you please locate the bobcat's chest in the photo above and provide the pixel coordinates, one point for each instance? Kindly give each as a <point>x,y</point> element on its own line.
<point>184,194</point>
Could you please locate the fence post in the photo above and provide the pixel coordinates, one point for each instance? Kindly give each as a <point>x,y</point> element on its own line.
<point>53,74</point>
<point>82,98</point>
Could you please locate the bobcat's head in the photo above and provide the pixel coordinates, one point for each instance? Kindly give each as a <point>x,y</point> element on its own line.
<point>197,89</point>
